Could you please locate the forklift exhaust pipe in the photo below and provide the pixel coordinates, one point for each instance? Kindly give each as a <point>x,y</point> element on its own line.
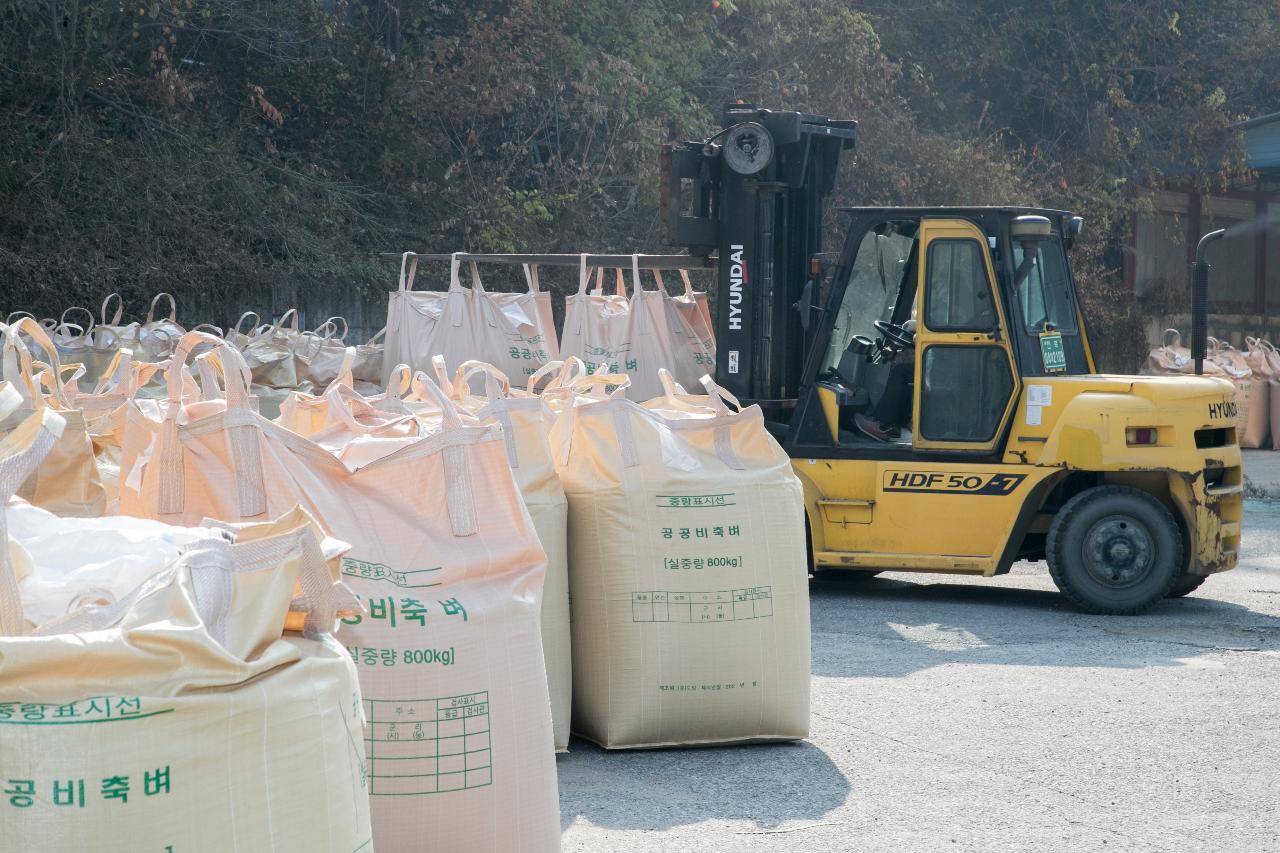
<point>1200,300</point>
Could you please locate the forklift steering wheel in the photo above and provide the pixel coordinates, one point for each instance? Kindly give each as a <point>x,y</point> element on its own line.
<point>898,337</point>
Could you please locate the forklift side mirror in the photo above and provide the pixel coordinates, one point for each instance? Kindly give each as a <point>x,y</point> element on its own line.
<point>1029,231</point>
<point>805,305</point>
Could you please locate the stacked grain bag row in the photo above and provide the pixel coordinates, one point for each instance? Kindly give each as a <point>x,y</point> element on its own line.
<point>514,332</point>
<point>1254,373</point>
<point>687,549</point>
<point>447,645</point>
<point>282,357</point>
<point>458,732</point>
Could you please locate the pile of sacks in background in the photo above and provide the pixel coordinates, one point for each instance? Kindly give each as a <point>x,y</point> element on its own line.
<point>282,357</point>
<point>1254,372</point>
<point>637,334</point>
<point>440,524</point>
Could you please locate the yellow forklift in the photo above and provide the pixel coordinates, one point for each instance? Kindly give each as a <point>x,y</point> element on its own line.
<point>934,384</point>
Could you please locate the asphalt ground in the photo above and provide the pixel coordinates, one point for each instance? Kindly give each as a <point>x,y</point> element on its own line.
<point>956,714</point>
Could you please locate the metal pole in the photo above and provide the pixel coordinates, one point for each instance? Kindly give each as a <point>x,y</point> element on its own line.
<point>1200,300</point>
<point>647,262</point>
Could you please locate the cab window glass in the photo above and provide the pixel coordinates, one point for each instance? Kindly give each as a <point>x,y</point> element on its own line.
<point>1045,292</point>
<point>957,294</point>
<point>966,391</point>
<point>872,289</point>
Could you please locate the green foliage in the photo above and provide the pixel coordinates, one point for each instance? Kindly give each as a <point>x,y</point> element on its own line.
<point>236,150</point>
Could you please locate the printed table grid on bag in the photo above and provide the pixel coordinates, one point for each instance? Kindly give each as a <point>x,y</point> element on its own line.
<point>428,746</point>
<point>726,605</point>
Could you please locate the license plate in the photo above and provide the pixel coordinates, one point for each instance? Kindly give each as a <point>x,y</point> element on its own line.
<point>1052,352</point>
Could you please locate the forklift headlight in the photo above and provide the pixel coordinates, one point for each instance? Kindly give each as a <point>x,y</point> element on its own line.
<point>1140,436</point>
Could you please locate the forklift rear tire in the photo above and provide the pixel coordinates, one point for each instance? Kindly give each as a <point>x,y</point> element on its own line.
<point>1114,550</point>
<point>1185,585</point>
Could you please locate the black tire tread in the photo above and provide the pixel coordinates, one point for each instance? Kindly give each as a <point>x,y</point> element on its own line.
<point>1063,520</point>
<point>1185,585</point>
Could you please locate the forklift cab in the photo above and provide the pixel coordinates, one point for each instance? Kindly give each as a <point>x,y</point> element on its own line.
<point>931,320</point>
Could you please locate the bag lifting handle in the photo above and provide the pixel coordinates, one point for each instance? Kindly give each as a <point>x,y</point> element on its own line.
<point>84,331</point>
<point>115,319</point>
<point>18,361</point>
<point>531,277</point>
<point>486,307</point>
<point>173,308</point>
<point>242,438</point>
<point>292,316</point>
<point>496,383</point>
<point>408,271</point>
<point>542,373</point>
<point>457,467</point>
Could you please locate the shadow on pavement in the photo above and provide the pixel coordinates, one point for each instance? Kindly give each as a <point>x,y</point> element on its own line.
<point>885,627</point>
<point>663,788</point>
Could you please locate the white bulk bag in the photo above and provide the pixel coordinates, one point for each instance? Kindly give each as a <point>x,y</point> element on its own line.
<point>67,481</point>
<point>526,424</point>
<point>157,338</point>
<point>126,334</point>
<point>324,352</point>
<point>89,346</point>
<point>635,336</point>
<point>369,359</point>
<point>696,309</point>
<point>512,331</point>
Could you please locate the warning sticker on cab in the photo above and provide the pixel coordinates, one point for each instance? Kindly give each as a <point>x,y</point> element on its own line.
<point>967,483</point>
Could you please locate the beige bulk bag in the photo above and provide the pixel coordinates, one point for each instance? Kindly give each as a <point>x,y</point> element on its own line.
<point>157,338</point>
<point>637,336</point>
<point>308,414</point>
<point>272,353</point>
<point>182,717</point>
<point>274,356</point>
<point>1255,421</point>
<point>449,568</point>
<point>238,336</point>
<point>103,409</point>
<point>322,355</point>
<point>1172,358</point>
<point>126,334</point>
<point>89,346</point>
<point>252,745</point>
<point>526,423</point>
<point>687,572</point>
<point>67,481</point>
<point>512,331</point>
<point>368,366</point>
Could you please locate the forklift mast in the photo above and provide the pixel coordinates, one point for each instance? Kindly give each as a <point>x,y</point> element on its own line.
<point>755,194</point>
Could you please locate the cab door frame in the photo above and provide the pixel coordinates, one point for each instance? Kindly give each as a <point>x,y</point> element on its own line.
<point>931,231</point>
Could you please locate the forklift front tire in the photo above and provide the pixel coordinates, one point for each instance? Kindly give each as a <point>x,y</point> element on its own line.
<point>1185,585</point>
<point>1114,550</point>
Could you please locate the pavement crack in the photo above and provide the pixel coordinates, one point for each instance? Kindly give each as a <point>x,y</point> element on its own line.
<point>789,828</point>
<point>1203,646</point>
